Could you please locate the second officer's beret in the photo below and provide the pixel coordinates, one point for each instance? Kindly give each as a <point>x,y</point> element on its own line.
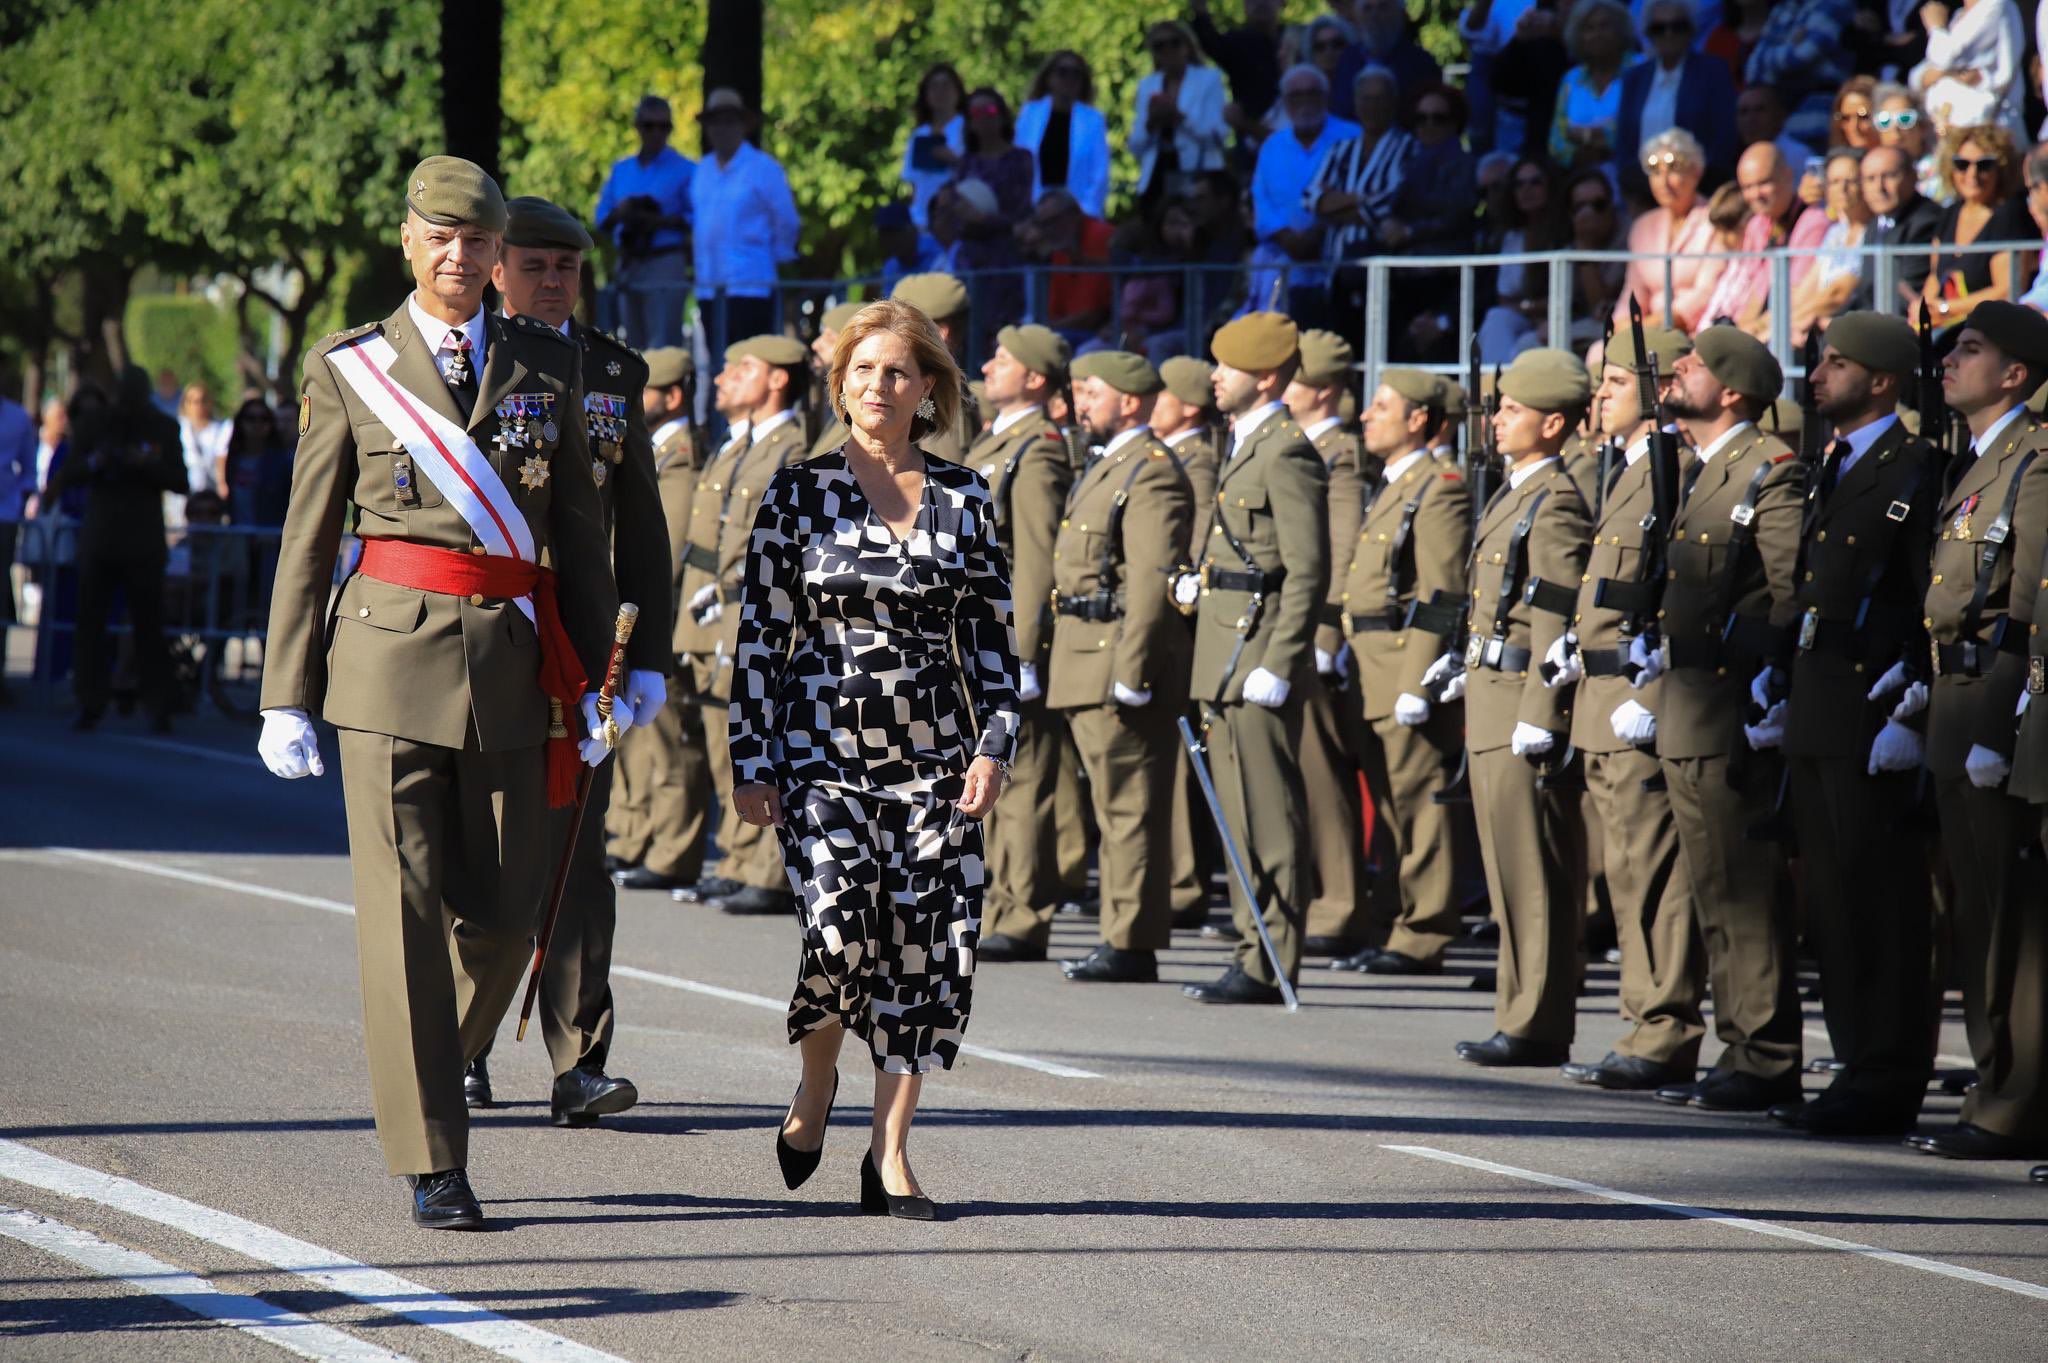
<point>782,350</point>
<point>1548,380</point>
<point>2014,328</point>
<point>1187,378</point>
<point>937,295</point>
<point>836,318</point>
<point>1739,361</point>
<point>1666,343</point>
<point>1453,396</point>
<point>1256,341</point>
<point>1326,358</point>
<point>1123,370</point>
<point>1875,341</point>
<point>1039,349</point>
<point>667,366</point>
<point>534,222</point>
<point>449,191</point>
<point>1415,385</point>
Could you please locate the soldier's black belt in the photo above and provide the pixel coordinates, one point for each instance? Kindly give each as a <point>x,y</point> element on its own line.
<point>1625,597</point>
<point>1975,657</point>
<point>697,556</point>
<point>1552,598</point>
<point>1604,662</point>
<point>1096,606</point>
<point>1225,580</point>
<point>1376,622</point>
<point>1497,654</point>
<point>1747,639</point>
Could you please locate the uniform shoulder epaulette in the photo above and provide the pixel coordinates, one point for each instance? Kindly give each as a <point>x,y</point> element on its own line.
<point>527,326</point>
<point>335,338</point>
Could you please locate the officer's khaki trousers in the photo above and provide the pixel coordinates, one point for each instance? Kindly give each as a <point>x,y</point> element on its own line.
<point>1128,752</point>
<point>1336,815</point>
<point>1258,782</point>
<point>1662,974</point>
<point>753,857</point>
<point>1529,841</point>
<point>1404,769</point>
<point>1021,834</point>
<point>662,796</point>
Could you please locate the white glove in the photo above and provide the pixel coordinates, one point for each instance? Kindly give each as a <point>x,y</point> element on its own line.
<point>1529,740</point>
<point>705,607</point>
<point>1894,679</point>
<point>646,693</point>
<point>1649,662</point>
<point>1896,748</point>
<point>1344,661</point>
<point>1266,689</point>
<point>289,746</point>
<point>1760,687</point>
<point>1445,678</point>
<point>1326,664</point>
<point>1027,682</point>
<point>1768,733</point>
<point>1986,769</point>
<point>1633,724</point>
<point>1563,661</point>
<point>1410,711</point>
<point>1915,700</point>
<point>622,715</point>
<point>2017,710</point>
<point>1126,696</point>
<point>1187,588</point>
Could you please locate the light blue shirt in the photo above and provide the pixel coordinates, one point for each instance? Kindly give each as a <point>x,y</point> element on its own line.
<point>1087,151</point>
<point>17,459</point>
<point>665,179</point>
<point>1284,170</point>
<point>746,223</point>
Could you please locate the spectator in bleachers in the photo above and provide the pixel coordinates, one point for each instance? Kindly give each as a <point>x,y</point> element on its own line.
<point>253,450</point>
<point>204,434</point>
<point>1534,221</point>
<point>1838,269</point>
<point>645,207</point>
<point>1433,216</point>
<point>1150,303</point>
<point>1971,75</point>
<point>1077,302</point>
<point>1900,216</point>
<point>1600,36</point>
<point>1854,121</point>
<point>1888,37</point>
<point>1249,56</point>
<point>1005,171</point>
<point>1353,189</point>
<point>2036,174</point>
<point>1760,117</point>
<point>1735,36</point>
<point>938,141</point>
<point>1287,230</point>
<point>1673,167</point>
<point>1597,224</point>
<point>1518,58</point>
<point>905,250</point>
<point>1385,38</point>
<point>1178,129</point>
<point>1802,53</point>
<point>1065,134</point>
<point>1984,167</point>
<point>1777,218</point>
<point>745,224</point>
<point>1901,123</point>
<point>1677,88</point>
<point>1322,44</point>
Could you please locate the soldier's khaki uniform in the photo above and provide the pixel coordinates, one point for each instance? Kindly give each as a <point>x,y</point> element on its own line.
<point>1194,854</point>
<point>1705,696</point>
<point>1271,499</point>
<point>1410,545</point>
<point>1529,836</point>
<point>2001,931</point>
<point>1329,771</point>
<point>440,708</point>
<point>834,434</point>
<point>1662,971</point>
<point>1119,545</point>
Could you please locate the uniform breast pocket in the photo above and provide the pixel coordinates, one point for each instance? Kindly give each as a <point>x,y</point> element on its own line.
<point>392,479</point>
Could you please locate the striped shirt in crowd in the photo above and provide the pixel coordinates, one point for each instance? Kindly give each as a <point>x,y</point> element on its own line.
<point>1371,171</point>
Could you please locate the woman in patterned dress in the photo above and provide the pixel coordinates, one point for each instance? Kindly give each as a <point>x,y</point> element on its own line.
<point>860,739</point>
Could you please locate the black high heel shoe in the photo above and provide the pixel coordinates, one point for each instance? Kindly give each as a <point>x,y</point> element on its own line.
<point>799,1165</point>
<point>876,1200</point>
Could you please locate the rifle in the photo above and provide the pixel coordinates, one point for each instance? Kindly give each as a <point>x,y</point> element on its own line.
<point>1608,450</point>
<point>1937,422</point>
<point>1639,601</point>
<point>1479,457</point>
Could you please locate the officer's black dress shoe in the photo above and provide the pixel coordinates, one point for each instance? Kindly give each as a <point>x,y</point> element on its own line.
<point>644,878</point>
<point>1113,965</point>
<point>1501,1050</point>
<point>1191,918</point>
<point>751,901</point>
<point>1327,946</point>
<point>1398,963</point>
<point>1633,1074</point>
<point>476,1083</point>
<point>613,865</point>
<point>1078,908</point>
<point>1357,961</point>
<point>687,894</point>
<point>1222,932</point>
<point>1000,946</point>
<point>443,1201</point>
<point>1587,1071</point>
<point>1732,1091</point>
<point>586,1093</point>
<point>1233,986</point>
<point>2039,1174</point>
<point>1967,1140</point>
<point>1842,1115</point>
<point>716,887</point>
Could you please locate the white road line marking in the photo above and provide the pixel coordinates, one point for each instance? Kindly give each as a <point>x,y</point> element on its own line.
<point>715,991</point>
<point>466,1321</point>
<point>1960,1062</point>
<point>288,1330</point>
<point>1936,1266</point>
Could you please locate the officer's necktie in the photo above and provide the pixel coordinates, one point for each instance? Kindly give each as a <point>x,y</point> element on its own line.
<point>1831,471</point>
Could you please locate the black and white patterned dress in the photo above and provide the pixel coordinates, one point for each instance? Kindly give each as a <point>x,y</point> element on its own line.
<point>847,698</point>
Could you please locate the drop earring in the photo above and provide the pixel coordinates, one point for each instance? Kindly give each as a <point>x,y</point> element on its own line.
<point>925,408</point>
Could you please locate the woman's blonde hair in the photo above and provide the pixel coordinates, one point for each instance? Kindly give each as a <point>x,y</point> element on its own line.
<point>927,349</point>
<point>1996,141</point>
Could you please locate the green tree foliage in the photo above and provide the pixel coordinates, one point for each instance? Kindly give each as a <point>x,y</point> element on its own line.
<point>187,334</point>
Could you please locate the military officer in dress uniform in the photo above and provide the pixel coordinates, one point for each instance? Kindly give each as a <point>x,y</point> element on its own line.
<point>1409,548</point>
<point>758,387</point>
<point>452,701</point>
<point>1853,763</point>
<point>1120,654</point>
<point>1727,595</point>
<point>1257,599</point>
<point>833,433</point>
<point>1614,727</point>
<point>1525,565</point>
<point>943,298</point>
<point>1981,597</point>
<point>661,794</point>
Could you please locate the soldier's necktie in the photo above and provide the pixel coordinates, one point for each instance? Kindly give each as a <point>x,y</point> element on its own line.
<point>1831,470</point>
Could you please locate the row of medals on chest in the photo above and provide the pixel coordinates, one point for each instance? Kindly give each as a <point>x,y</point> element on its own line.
<point>526,421</point>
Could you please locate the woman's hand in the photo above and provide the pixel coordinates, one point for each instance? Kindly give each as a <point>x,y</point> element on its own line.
<point>985,781</point>
<point>758,803</point>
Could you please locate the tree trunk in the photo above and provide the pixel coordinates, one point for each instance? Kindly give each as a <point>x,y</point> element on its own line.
<point>732,48</point>
<point>472,62</point>
<point>100,347</point>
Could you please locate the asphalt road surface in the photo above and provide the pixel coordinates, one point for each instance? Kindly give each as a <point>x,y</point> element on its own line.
<point>188,1169</point>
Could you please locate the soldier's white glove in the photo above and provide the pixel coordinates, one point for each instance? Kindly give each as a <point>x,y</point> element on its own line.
<point>1187,588</point>
<point>1344,662</point>
<point>1126,696</point>
<point>1985,768</point>
<point>1027,682</point>
<point>1445,678</point>
<point>705,607</point>
<point>1896,748</point>
<point>1894,679</point>
<point>1530,740</point>
<point>288,745</point>
<point>1649,663</point>
<point>1266,689</point>
<point>2017,710</point>
<point>593,747</point>
<point>1326,664</point>
<point>646,693</point>
<point>1410,711</point>
<point>1562,664</point>
<point>1770,731</point>
<point>1633,724</point>
<point>1760,687</point>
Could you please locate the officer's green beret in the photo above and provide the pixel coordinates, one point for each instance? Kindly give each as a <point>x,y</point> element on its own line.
<point>1326,358</point>
<point>835,319</point>
<point>1256,341</point>
<point>1039,349</point>
<point>1666,343</point>
<point>667,366</point>
<point>449,191</point>
<point>1548,380</point>
<point>2016,329</point>
<point>1120,369</point>
<point>531,221</point>
<point>1416,386</point>
<point>1875,341</point>
<point>782,350</point>
<point>1739,361</point>
<point>937,295</point>
<point>1187,378</point>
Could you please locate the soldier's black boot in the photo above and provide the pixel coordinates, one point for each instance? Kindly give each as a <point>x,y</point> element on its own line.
<point>586,1093</point>
<point>476,1083</point>
<point>443,1201</point>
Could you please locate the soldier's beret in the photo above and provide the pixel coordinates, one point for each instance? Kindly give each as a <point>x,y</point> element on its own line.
<point>668,366</point>
<point>531,221</point>
<point>1414,385</point>
<point>1187,378</point>
<point>1039,349</point>
<point>1875,341</point>
<point>782,350</point>
<point>1326,358</point>
<point>1548,380</point>
<point>449,192</point>
<point>2014,328</point>
<point>1256,341</point>
<point>1739,361</point>
<point>937,295</point>
<point>1666,343</point>
<point>1122,370</point>
<point>835,319</point>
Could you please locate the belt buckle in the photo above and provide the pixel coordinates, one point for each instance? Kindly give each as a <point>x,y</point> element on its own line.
<point>1934,655</point>
<point>1809,628</point>
<point>1475,650</point>
<point>2037,674</point>
<point>1743,513</point>
<point>1494,648</point>
<point>1969,652</point>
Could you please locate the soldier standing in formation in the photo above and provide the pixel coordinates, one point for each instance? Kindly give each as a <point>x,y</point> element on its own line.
<point>943,298</point>
<point>833,432</point>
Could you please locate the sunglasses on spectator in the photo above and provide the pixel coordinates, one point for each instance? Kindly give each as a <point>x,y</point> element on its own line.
<point>1902,119</point>
<point>1983,165</point>
<point>1330,45</point>
<point>1669,160</point>
<point>1069,69</point>
<point>985,110</point>
<point>1599,205</point>
<point>1852,115</point>
<point>647,124</point>
<point>1667,28</point>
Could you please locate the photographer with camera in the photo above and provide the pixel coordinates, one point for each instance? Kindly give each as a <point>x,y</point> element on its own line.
<point>645,206</point>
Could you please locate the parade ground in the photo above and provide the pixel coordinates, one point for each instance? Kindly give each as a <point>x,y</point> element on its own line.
<point>188,1168</point>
